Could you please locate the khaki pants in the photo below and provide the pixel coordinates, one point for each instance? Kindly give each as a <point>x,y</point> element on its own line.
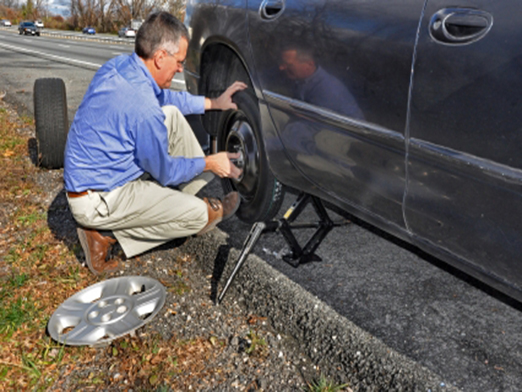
<point>144,214</point>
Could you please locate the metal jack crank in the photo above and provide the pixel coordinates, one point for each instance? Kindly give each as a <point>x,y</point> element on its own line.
<point>285,226</point>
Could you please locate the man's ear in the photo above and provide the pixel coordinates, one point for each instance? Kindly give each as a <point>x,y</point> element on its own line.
<point>159,58</point>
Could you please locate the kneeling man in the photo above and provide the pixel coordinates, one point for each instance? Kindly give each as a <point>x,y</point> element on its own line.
<point>132,163</point>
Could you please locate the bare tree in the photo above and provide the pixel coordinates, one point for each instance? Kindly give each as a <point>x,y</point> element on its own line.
<point>109,15</point>
<point>10,3</point>
<point>28,10</point>
<point>91,13</point>
<point>39,8</point>
<point>177,8</point>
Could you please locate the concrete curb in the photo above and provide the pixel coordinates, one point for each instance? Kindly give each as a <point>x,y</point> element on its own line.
<point>342,350</point>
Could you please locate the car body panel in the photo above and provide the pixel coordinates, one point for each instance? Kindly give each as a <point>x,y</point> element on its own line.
<point>465,166</point>
<point>429,153</point>
<point>343,130</point>
<point>5,23</point>
<point>233,34</point>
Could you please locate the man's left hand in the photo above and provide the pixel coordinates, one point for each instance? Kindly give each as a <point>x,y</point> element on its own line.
<point>224,101</point>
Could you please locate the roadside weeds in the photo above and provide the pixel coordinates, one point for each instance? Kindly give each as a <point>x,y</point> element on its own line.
<point>39,270</point>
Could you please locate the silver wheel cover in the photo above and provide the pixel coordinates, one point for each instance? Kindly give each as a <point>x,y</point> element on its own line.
<point>107,310</point>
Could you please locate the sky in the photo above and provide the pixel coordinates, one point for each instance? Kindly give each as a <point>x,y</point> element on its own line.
<point>60,7</point>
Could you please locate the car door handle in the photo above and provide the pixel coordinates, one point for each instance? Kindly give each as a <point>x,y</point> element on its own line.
<point>458,26</point>
<point>271,9</point>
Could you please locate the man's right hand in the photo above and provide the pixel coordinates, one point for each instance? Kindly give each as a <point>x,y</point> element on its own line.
<point>220,164</point>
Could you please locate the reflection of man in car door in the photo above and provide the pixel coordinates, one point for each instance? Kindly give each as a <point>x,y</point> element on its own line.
<point>316,86</point>
<point>307,141</point>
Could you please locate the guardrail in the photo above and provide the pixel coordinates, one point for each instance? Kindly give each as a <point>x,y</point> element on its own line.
<point>76,36</point>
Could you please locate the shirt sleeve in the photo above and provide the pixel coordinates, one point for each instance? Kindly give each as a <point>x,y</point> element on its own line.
<point>151,151</point>
<point>184,101</point>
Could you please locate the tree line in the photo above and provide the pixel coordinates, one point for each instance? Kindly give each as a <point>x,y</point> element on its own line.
<point>106,16</point>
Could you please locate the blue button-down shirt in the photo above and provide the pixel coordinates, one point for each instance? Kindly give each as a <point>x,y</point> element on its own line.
<point>118,132</point>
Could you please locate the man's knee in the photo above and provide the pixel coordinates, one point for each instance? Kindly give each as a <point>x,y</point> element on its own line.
<point>171,111</point>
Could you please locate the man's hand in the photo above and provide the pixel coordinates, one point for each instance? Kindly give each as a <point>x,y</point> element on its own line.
<point>224,101</point>
<point>221,166</point>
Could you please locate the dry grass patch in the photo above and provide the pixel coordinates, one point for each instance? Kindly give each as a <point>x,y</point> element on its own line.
<point>38,272</point>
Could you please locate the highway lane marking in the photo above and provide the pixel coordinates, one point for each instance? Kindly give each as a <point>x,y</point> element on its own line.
<point>47,55</point>
<point>117,53</point>
<point>64,46</point>
<point>66,59</point>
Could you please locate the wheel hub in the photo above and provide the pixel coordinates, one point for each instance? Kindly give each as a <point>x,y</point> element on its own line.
<point>241,139</point>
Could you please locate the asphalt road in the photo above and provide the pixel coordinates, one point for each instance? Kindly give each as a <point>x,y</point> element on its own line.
<point>416,304</point>
<point>87,52</point>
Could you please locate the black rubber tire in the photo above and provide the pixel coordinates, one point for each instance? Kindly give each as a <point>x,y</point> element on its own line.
<point>52,125</point>
<point>261,194</point>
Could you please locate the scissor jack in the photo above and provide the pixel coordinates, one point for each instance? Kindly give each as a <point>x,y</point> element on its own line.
<point>285,225</point>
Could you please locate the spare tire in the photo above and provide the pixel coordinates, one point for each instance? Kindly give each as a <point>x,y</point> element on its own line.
<point>239,130</point>
<point>52,125</point>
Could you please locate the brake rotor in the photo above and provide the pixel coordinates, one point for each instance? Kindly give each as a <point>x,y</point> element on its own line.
<point>107,310</point>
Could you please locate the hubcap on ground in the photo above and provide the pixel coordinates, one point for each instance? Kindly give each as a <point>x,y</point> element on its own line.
<point>107,310</point>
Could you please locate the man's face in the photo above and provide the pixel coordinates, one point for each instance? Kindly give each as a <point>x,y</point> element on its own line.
<point>294,68</point>
<point>171,64</point>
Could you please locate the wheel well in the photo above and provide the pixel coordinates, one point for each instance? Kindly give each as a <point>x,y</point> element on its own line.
<point>220,67</point>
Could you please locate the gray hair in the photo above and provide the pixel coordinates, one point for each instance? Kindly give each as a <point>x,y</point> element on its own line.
<point>160,30</point>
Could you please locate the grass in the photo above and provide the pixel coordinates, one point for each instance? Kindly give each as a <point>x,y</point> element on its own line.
<point>325,385</point>
<point>38,272</point>
<point>14,311</point>
<point>32,217</point>
<point>257,344</point>
<point>14,314</point>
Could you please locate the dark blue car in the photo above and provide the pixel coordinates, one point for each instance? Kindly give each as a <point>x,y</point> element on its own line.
<point>407,114</point>
<point>28,28</point>
<point>89,30</point>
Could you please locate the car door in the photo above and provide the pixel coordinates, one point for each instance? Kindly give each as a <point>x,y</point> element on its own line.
<point>465,138</point>
<point>335,76</point>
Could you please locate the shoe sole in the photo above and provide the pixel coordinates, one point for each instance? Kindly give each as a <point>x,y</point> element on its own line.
<point>85,246</point>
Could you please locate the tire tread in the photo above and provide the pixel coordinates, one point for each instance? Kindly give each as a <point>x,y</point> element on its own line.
<point>51,122</point>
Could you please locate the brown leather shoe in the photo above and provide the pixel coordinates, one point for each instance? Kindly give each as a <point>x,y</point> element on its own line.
<point>96,246</point>
<point>220,210</point>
